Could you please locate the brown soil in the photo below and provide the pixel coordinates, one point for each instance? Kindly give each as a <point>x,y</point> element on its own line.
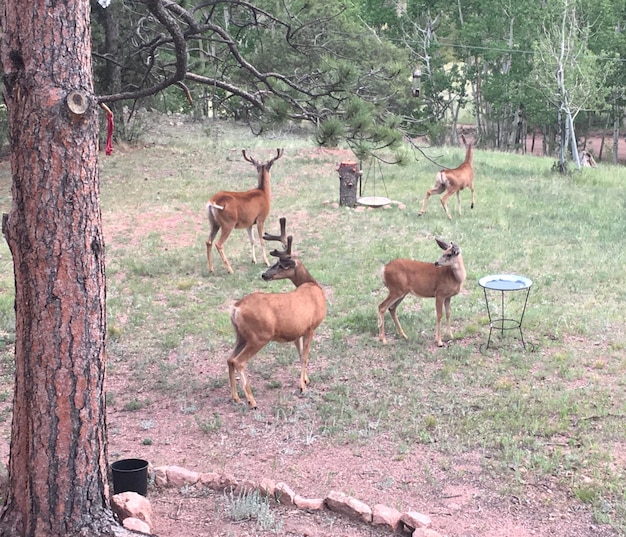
<point>456,491</point>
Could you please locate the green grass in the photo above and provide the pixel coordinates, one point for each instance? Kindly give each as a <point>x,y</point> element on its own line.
<point>557,412</point>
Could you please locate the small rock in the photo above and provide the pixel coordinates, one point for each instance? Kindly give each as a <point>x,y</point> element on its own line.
<point>134,524</point>
<point>313,504</point>
<point>284,494</point>
<point>415,520</point>
<point>267,486</point>
<point>347,505</point>
<point>160,476</point>
<point>132,505</point>
<point>383,515</point>
<point>178,477</point>
<point>210,479</point>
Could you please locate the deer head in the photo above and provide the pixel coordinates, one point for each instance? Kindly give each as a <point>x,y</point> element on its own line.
<point>285,266</point>
<point>258,165</point>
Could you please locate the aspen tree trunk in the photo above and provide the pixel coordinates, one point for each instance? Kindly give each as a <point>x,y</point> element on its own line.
<point>58,461</point>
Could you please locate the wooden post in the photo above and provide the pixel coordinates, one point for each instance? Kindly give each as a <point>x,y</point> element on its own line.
<point>349,177</point>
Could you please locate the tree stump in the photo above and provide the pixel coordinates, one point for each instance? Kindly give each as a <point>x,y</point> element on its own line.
<point>349,177</point>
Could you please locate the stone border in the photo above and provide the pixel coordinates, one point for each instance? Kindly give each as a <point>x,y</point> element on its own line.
<point>417,524</point>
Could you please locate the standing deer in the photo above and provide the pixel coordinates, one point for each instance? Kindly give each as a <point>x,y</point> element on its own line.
<point>238,210</point>
<point>259,318</point>
<point>441,280</point>
<point>453,181</point>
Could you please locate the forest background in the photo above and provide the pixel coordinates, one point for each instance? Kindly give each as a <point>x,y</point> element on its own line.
<point>370,72</point>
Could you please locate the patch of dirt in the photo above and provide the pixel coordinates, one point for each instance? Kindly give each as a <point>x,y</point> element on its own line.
<point>456,491</point>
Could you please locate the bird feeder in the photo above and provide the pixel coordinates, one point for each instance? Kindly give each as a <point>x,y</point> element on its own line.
<point>417,75</point>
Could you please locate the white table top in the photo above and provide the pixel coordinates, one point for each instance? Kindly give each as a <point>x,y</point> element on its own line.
<point>505,282</point>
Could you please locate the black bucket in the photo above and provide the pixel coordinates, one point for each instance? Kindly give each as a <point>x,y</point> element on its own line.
<point>130,475</point>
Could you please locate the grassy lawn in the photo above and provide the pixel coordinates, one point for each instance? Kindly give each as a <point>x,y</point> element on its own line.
<point>556,409</point>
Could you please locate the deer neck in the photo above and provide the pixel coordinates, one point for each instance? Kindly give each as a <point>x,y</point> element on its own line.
<point>302,275</point>
<point>264,182</point>
<point>458,270</point>
<point>468,154</point>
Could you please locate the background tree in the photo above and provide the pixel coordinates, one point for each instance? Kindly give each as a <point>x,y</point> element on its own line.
<point>345,67</point>
<point>567,71</point>
<point>271,63</point>
<point>58,460</point>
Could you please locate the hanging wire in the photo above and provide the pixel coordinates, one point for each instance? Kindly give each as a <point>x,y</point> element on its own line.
<point>371,169</point>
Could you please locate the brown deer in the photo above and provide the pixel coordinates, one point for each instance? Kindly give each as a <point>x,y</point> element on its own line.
<point>259,318</point>
<point>441,280</point>
<point>453,181</point>
<point>239,210</point>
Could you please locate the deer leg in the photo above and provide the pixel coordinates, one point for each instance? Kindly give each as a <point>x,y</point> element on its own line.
<point>446,304</point>
<point>237,363</point>
<point>439,308</point>
<point>440,186</point>
<point>435,190</point>
<point>472,189</point>
<point>394,316</point>
<point>458,200</point>
<point>233,382</point>
<point>219,245</point>
<point>444,201</point>
<point>251,237</point>
<point>304,346</point>
<point>259,226</point>
<point>390,303</point>
<point>209,244</point>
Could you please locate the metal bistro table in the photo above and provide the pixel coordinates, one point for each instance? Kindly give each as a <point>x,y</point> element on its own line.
<point>505,283</point>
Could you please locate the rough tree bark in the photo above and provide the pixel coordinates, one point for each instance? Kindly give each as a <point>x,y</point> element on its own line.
<point>349,177</point>
<point>58,460</point>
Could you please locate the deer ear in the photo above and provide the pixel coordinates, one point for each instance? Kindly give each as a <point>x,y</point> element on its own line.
<point>442,244</point>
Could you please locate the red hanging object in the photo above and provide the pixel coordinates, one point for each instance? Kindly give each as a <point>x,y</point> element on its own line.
<point>110,125</point>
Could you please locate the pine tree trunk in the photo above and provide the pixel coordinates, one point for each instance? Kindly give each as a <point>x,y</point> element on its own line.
<point>58,461</point>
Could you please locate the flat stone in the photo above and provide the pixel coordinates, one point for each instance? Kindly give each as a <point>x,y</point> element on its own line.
<point>312,504</point>
<point>415,520</point>
<point>178,476</point>
<point>347,505</point>
<point>383,515</point>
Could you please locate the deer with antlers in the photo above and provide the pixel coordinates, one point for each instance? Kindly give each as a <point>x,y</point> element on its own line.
<point>259,318</point>
<point>453,181</point>
<point>239,210</point>
<point>440,280</point>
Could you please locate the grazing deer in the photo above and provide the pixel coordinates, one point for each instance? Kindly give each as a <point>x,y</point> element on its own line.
<point>453,181</point>
<point>441,280</point>
<point>259,318</point>
<point>238,210</point>
<point>587,160</point>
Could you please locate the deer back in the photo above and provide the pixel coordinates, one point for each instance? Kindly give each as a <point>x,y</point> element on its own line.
<point>421,278</point>
<point>240,209</point>
<point>280,317</point>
